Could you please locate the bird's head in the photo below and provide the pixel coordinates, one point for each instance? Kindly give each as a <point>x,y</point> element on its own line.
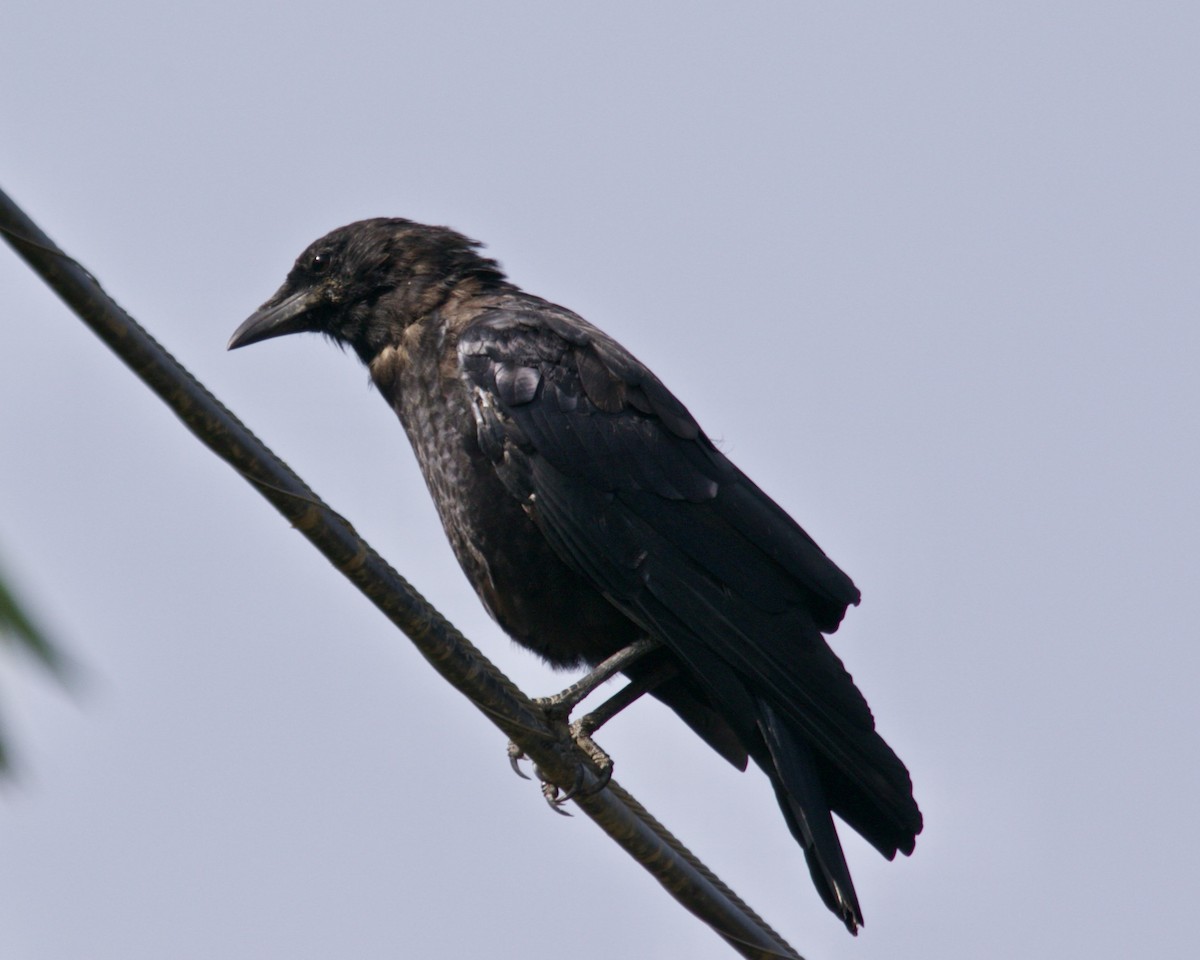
<point>364,283</point>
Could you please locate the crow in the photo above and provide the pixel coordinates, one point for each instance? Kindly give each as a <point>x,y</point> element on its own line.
<point>589,511</point>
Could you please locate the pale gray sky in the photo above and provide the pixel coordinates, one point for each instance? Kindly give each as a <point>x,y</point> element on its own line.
<point>927,270</point>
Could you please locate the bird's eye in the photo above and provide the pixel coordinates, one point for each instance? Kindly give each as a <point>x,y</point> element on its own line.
<point>319,264</point>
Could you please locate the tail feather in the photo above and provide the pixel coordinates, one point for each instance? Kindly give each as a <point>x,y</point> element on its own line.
<point>792,769</point>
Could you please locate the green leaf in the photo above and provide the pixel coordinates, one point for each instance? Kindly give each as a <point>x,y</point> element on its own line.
<point>17,628</point>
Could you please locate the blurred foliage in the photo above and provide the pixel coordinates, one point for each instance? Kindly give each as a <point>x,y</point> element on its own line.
<point>18,631</point>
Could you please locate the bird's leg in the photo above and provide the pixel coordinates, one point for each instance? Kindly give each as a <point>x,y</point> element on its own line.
<point>632,691</point>
<point>561,704</point>
<point>559,707</point>
<point>583,728</point>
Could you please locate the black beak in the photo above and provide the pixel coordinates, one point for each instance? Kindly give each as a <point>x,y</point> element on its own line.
<point>275,319</point>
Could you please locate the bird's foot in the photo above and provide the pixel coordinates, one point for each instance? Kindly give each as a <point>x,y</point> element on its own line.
<point>557,710</point>
<point>552,793</point>
<point>581,733</point>
<point>555,796</point>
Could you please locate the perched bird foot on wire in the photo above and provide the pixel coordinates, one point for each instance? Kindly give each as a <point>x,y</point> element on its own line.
<point>581,734</point>
<point>557,709</point>
<point>555,796</point>
<point>583,728</point>
<point>550,790</point>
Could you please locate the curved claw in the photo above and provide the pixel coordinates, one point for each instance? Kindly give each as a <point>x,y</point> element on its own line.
<point>515,755</point>
<point>558,801</point>
<point>514,762</point>
<point>550,792</point>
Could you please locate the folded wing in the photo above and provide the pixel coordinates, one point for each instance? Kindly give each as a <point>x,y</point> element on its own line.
<point>633,495</point>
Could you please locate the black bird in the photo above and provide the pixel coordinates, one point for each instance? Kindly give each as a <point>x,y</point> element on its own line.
<point>589,510</point>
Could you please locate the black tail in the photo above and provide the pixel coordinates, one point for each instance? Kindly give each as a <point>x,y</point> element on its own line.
<point>793,772</point>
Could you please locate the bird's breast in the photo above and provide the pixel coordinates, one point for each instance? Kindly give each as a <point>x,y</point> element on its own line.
<point>538,599</point>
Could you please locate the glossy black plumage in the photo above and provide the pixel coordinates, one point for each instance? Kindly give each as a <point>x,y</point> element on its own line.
<point>588,508</point>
